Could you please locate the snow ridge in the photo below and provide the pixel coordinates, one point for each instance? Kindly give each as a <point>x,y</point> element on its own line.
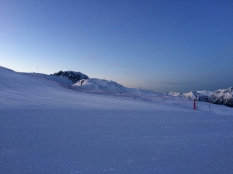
<point>102,86</point>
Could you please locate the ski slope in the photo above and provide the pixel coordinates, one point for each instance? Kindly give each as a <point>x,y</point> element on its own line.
<point>46,127</point>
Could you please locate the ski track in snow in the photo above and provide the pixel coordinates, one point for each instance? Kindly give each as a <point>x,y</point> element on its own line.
<point>45,128</point>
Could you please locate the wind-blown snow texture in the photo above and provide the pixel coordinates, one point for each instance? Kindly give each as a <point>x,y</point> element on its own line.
<point>48,128</point>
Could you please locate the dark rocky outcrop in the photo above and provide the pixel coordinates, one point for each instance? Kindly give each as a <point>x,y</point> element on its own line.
<point>71,75</point>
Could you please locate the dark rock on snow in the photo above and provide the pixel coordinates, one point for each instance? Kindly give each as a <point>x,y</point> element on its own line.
<point>73,76</point>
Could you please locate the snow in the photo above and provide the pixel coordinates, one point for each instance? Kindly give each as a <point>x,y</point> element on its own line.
<point>221,96</point>
<point>110,87</point>
<point>46,127</point>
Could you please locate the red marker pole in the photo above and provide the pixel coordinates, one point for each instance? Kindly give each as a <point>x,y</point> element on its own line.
<point>194,104</point>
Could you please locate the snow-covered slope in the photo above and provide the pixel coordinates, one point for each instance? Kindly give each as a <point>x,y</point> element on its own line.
<point>19,90</point>
<point>32,89</point>
<point>99,85</point>
<point>221,96</point>
<point>59,80</point>
<point>102,86</point>
<point>48,128</point>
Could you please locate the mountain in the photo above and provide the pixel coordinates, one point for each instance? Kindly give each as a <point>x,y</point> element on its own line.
<point>71,75</point>
<point>221,96</point>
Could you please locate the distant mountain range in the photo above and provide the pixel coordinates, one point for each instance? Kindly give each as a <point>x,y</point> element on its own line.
<point>221,96</point>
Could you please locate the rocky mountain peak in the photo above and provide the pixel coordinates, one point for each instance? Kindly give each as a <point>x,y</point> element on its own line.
<point>72,75</point>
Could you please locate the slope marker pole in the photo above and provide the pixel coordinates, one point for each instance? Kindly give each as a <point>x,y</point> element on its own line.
<point>194,104</point>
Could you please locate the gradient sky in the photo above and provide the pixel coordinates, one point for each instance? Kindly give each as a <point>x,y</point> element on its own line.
<point>160,45</point>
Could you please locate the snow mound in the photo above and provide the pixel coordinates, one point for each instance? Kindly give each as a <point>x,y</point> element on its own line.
<point>99,85</point>
<point>94,85</point>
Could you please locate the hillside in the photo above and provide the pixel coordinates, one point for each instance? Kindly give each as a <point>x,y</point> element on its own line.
<point>42,88</point>
<point>102,86</point>
<point>47,127</point>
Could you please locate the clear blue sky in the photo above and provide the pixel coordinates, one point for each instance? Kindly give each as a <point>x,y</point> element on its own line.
<point>160,45</point>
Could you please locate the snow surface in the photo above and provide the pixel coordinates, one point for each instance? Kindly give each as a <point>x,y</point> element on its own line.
<point>46,127</point>
<point>102,86</point>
